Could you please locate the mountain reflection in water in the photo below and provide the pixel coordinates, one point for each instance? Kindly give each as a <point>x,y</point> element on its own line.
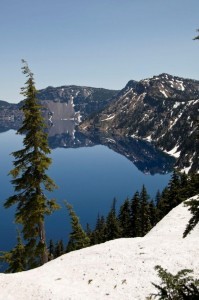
<point>146,157</point>
<point>88,177</point>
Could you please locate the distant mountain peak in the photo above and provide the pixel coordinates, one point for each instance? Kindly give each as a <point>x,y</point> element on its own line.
<point>162,109</point>
<point>131,84</point>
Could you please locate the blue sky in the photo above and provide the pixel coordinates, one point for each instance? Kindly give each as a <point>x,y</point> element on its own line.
<point>100,43</point>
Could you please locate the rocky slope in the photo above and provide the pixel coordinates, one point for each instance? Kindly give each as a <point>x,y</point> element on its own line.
<point>60,103</point>
<point>78,101</point>
<point>163,110</point>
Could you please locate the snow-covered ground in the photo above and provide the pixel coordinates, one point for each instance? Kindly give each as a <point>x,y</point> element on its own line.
<point>120,269</point>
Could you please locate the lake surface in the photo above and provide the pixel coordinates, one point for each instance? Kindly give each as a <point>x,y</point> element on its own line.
<point>88,178</point>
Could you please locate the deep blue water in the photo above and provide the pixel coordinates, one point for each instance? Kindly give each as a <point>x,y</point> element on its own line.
<point>88,178</point>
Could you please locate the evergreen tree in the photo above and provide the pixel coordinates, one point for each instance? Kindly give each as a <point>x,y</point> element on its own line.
<point>193,205</point>
<point>16,258</point>
<point>101,228</point>
<point>183,186</point>
<point>180,188</point>
<point>144,212</point>
<point>135,215</point>
<point>183,180</point>
<point>88,230</point>
<point>157,198</point>
<point>51,250</point>
<point>174,195</point>
<point>99,234</point>
<point>59,249</point>
<point>78,238</point>
<point>193,186</point>
<point>163,204</point>
<point>153,215</point>
<point>171,196</point>
<point>181,286</point>
<point>125,219</point>
<point>30,178</point>
<point>113,230</point>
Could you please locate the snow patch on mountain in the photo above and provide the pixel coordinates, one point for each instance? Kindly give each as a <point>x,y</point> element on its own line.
<point>164,93</point>
<point>180,85</point>
<point>108,118</point>
<point>174,152</point>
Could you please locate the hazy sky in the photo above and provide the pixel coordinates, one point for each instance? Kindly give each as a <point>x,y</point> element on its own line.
<point>100,43</point>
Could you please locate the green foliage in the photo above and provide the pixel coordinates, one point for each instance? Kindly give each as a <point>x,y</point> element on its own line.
<point>16,258</point>
<point>99,233</point>
<point>144,212</point>
<point>153,214</point>
<point>194,209</point>
<point>30,178</point>
<point>176,287</point>
<point>125,219</point>
<point>51,250</point>
<point>180,187</point>
<point>138,216</point>
<point>113,230</point>
<point>163,204</point>
<point>135,215</point>
<point>59,249</point>
<point>174,195</point>
<point>78,238</point>
<point>193,186</point>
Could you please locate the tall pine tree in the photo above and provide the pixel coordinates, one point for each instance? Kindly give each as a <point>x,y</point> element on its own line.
<point>144,212</point>
<point>59,249</point>
<point>193,205</point>
<point>78,237</point>
<point>51,250</point>
<point>16,258</point>
<point>30,178</point>
<point>99,233</point>
<point>135,215</point>
<point>113,230</point>
<point>125,219</point>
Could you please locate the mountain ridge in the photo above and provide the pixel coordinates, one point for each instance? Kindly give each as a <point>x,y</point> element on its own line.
<point>162,110</point>
<point>86,100</point>
<point>59,103</point>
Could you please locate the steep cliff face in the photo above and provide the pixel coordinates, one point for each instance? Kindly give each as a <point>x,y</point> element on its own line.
<point>77,102</point>
<point>72,103</point>
<point>162,110</point>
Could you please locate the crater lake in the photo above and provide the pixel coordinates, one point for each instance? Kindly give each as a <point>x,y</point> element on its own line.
<point>89,172</point>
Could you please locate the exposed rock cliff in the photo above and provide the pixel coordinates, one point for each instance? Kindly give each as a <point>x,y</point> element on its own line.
<point>81,100</point>
<point>162,110</point>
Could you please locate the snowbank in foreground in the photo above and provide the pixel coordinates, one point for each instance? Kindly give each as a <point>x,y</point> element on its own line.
<point>119,269</point>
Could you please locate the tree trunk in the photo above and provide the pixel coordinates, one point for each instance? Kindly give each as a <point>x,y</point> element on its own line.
<point>42,237</point>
